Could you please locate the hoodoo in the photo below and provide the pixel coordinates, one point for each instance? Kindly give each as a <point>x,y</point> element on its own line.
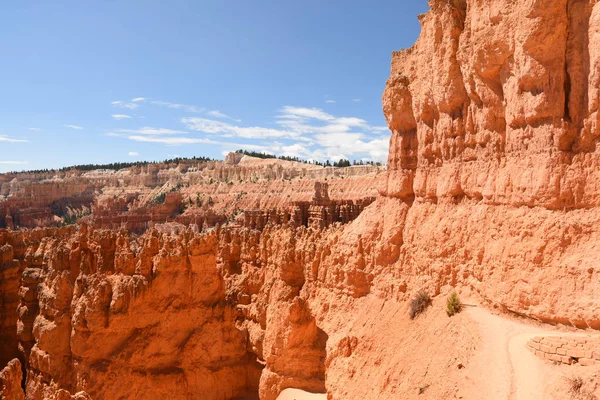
<point>244,278</point>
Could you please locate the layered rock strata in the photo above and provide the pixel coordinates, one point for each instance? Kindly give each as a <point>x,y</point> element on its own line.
<point>133,197</point>
<point>492,190</point>
<point>494,120</point>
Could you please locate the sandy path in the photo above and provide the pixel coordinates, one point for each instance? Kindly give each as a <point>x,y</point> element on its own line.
<point>504,369</point>
<point>297,394</point>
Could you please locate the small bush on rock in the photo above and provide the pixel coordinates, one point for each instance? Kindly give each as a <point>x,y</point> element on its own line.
<point>577,390</point>
<point>419,303</point>
<point>453,305</point>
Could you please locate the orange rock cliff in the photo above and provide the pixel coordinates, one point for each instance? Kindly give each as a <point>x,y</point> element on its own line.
<point>239,279</point>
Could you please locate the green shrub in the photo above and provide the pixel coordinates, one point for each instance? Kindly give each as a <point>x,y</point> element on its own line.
<point>159,199</point>
<point>453,305</point>
<point>419,303</point>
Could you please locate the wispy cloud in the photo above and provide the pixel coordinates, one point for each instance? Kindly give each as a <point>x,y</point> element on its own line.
<point>314,121</point>
<point>229,130</point>
<point>14,162</point>
<point>151,131</point>
<point>74,127</point>
<point>4,138</point>
<point>133,154</point>
<point>302,112</point>
<point>126,105</point>
<point>185,107</point>
<point>313,132</point>
<point>305,132</point>
<point>138,99</point>
<point>219,114</point>
<point>356,100</point>
<point>121,116</point>
<point>171,141</point>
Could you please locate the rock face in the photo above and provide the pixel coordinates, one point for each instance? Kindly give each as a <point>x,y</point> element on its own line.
<point>276,275</point>
<point>498,104</point>
<point>494,119</point>
<point>138,197</point>
<point>10,381</point>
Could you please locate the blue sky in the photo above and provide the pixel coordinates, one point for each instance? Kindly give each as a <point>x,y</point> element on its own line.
<point>125,80</point>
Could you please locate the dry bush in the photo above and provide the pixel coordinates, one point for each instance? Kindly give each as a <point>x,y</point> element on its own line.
<point>577,391</point>
<point>419,303</point>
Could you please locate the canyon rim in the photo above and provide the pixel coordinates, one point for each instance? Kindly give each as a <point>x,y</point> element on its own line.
<point>239,279</point>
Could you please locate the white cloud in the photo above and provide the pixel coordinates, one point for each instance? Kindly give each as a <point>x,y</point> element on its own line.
<point>34,129</point>
<point>313,121</point>
<point>350,148</point>
<point>230,130</point>
<point>171,141</point>
<point>304,132</point>
<point>330,101</point>
<point>340,139</point>
<point>133,154</point>
<point>121,116</point>
<point>380,129</point>
<point>4,138</point>
<point>138,99</point>
<point>351,121</point>
<point>14,162</point>
<point>151,131</point>
<point>315,134</point>
<point>314,113</point>
<point>356,100</point>
<point>74,127</point>
<point>122,104</point>
<point>185,107</point>
<point>350,145</point>
<point>219,114</point>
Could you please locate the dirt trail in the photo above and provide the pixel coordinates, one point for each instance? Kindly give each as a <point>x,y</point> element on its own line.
<point>504,369</point>
<point>297,394</point>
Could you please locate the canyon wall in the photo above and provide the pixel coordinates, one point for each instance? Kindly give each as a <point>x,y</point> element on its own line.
<point>263,283</point>
<point>494,120</point>
<point>230,312</point>
<point>132,198</point>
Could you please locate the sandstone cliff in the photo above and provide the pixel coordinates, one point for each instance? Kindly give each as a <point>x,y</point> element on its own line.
<point>137,197</point>
<point>265,283</point>
<point>494,119</point>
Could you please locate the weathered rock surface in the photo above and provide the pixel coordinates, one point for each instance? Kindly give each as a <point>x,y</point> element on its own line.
<point>266,281</point>
<point>494,119</point>
<point>138,197</point>
<point>10,381</point>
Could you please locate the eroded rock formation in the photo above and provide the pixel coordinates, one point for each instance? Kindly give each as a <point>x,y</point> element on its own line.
<point>135,198</point>
<point>10,381</point>
<point>264,283</point>
<point>494,119</point>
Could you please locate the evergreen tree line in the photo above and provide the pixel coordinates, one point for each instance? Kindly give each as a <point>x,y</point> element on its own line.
<point>339,164</point>
<point>121,165</point>
<point>116,165</point>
